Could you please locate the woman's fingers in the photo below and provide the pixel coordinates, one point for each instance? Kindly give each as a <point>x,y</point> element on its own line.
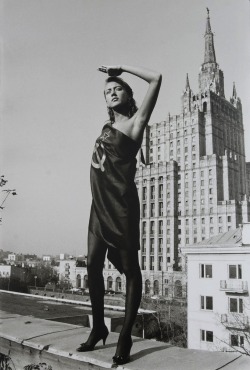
<point>103,69</point>
<point>111,70</point>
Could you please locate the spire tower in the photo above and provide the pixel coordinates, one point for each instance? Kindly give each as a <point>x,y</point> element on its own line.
<point>209,43</point>
<point>210,77</point>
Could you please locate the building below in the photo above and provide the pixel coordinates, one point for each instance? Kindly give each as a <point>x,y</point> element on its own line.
<point>170,284</point>
<point>218,279</point>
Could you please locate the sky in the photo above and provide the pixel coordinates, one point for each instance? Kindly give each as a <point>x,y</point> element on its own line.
<point>52,104</point>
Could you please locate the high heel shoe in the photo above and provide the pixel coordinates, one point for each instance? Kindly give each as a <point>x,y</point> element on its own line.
<point>125,357</point>
<point>85,347</point>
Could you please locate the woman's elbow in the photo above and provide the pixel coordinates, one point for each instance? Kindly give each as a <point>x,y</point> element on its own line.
<point>158,78</point>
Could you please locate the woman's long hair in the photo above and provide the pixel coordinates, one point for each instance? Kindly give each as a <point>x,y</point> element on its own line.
<point>132,108</point>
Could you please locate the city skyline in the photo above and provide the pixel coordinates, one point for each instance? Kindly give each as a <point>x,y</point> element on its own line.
<point>50,89</point>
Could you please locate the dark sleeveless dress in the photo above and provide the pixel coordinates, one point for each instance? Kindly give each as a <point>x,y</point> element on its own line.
<point>115,211</point>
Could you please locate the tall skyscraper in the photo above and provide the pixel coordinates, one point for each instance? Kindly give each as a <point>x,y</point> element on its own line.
<point>194,182</point>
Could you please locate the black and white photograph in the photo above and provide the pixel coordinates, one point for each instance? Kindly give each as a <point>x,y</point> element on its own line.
<point>124,184</point>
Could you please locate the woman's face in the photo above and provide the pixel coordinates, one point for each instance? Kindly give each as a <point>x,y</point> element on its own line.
<point>115,95</point>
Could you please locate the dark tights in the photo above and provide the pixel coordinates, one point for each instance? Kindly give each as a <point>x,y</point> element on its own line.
<point>132,271</point>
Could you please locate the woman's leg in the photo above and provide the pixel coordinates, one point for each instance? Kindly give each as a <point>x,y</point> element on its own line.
<point>132,271</point>
<point>95,262</point>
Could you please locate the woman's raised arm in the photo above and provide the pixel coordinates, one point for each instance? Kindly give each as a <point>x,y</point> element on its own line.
<point>142,116</point>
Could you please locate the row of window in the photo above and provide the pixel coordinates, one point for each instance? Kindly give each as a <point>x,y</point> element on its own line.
<point>235,340</point>
<point>235,304</point>
<point>152,263</point>
<point>234,271</point>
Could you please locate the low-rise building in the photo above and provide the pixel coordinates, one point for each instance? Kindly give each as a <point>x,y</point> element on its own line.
<point>218,276</point>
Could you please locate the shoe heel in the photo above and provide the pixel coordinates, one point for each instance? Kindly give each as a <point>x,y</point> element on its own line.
<point>105,337</point>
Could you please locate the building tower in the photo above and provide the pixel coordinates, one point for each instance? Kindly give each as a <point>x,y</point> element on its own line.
<point>193,185</point>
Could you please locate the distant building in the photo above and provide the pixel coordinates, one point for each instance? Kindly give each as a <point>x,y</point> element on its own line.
<point>218,291</point>
<point>10,271</point>
<point>47,258</point>
<point>67,271</point>
<point>194,181</point>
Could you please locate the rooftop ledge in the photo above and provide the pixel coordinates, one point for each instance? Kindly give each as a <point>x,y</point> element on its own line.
<point>26,340</point>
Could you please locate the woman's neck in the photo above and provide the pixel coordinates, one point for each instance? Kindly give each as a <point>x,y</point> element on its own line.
<point>120,117</point>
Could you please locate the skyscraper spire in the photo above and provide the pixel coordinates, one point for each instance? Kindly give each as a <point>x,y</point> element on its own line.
<point>234,91</point>
<point>187,83</point>
<point>209,43</point>
<point>210,76</point>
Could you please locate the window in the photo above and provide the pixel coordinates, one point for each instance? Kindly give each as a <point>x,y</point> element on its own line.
<point>206,303</point>
<point>235,272</point>
<point>207,336</point>
<point>160,263</point>
<point>236,305</point>
<point>160,190</point>
<point>151,267</point>
<point>220,219</point>
<point>206,271</point>
<point>152,192</point>
<point>236,340</point>
<point>202,182</point>
<point>144,210</point>
<point>229,218</point>
<point>144,228</point>
<point>160,209</point>
<point>143,266</point>
<point>152,227</point>
<point>160,245</point>
<point>144,193</point>
<point>152,213</point>
<point>152,245</point>
<point>160,227</point>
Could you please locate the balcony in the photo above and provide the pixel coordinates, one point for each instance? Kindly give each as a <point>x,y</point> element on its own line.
<point>234,286</point>
<point>235,321</point>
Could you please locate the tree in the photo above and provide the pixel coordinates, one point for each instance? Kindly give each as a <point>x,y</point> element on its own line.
<point>6,192</point>
<point>237,325</point>
<point>168,323</point>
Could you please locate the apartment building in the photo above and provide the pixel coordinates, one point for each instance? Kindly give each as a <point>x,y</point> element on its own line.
<point>218,278</point>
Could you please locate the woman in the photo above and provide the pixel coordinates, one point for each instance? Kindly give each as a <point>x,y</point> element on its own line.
<point>115,214</point>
